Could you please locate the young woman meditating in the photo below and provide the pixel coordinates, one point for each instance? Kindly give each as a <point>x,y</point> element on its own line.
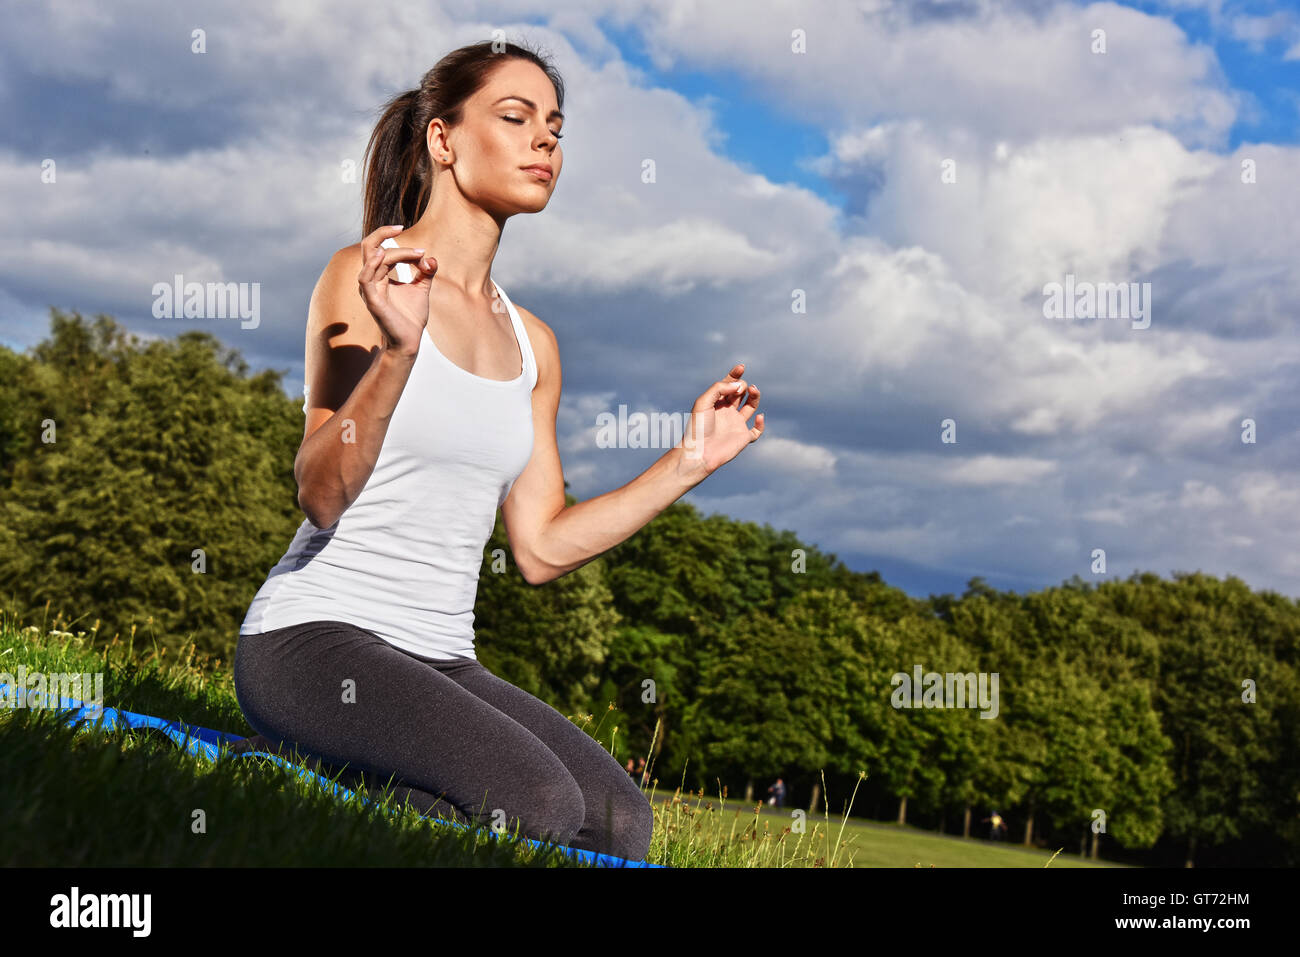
<point>431,404</point>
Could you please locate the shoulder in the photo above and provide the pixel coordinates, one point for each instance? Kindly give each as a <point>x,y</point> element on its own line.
<point>337,310</point>
<point>536,328</point>
<point>340,273</point>
<point>546,349</point>
<point>343,266</point>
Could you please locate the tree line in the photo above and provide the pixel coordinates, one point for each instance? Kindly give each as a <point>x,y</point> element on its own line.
<point>1153,720</point>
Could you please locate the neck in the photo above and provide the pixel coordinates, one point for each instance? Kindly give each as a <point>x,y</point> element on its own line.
<point>462,237</point>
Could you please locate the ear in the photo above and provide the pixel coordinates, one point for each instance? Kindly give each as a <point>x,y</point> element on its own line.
<point>435,141</point>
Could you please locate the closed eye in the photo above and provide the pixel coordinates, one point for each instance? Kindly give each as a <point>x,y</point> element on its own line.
<point>515,119</point>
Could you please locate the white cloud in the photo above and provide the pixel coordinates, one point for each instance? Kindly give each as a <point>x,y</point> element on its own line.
<point>1272,497</point>
<point>1004,72</point>
<point>925,307</point>
<point>999,470</point>
<point>787,455</point>
<point>1198,494</point>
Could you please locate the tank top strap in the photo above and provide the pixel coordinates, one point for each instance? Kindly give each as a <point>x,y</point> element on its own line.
<point>521,334</point>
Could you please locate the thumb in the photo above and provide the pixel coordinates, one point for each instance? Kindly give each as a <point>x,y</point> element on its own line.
<point>425,269</point>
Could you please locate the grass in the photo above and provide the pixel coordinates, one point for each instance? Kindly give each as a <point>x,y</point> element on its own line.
<point>857,843</point>
<point>89,797</point>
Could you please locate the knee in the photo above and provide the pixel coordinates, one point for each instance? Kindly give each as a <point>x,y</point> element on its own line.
<point>564,807</point>
<point>639,828</point>
<point>555,811</point>
<point>627,822</point>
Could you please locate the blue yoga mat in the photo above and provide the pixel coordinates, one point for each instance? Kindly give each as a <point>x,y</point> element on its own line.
<point>207,744</point>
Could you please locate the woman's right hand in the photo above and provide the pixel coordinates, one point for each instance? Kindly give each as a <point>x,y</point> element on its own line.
<point>400,309</point>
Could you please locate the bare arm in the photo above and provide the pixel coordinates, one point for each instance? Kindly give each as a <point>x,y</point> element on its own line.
<point>549,539</point>
<point>355,370</point>
<point>579,533</point>
<point>340,448</point>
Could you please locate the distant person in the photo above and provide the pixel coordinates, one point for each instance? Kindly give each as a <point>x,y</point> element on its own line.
<point>997,826</point>
<point>777,791</point>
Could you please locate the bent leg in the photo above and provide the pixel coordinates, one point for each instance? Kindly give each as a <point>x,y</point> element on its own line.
<point>339,693</point>
<point>619,819</point>
<point>378,787</point>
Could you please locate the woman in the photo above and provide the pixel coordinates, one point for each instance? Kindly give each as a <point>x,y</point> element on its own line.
<point>431,404</point>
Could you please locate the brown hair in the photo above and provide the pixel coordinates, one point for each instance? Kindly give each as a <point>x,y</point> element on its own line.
<point>398,179</point>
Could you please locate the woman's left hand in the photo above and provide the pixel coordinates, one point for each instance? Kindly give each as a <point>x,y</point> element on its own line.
<point>718,427</point>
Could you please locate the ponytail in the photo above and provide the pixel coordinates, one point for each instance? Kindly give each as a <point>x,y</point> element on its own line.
<point>393,199</point>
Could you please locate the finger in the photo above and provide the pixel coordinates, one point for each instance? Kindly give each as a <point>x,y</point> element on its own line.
<point>397,259</point>
<point>397,254</point>
<point>373,280</point>
<point>381,235</point>
<point>424,271</point>
<point>378,236</point>
<point>754,396</point>
<point>760,424</point>
<point>370,260</point>
<point>731,393</point>
<point>717,393</point>
<point>370,269</point>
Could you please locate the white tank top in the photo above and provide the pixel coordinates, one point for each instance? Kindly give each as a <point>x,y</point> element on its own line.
<point>403,559</point>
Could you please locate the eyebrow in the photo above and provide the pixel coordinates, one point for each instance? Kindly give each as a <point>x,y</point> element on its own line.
<point>531,105</point>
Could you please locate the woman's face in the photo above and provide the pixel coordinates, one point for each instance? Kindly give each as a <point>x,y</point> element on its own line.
<point>499,135</point>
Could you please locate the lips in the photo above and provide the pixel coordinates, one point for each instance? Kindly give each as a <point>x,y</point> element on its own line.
<point>540,171</point>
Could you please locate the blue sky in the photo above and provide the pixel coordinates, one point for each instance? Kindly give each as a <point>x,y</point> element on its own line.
<point>778,172</point>
<point>1253,60</point>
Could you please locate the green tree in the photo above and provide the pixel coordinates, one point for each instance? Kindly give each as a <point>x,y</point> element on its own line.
<point>166,493</point>
<point>551,640</point>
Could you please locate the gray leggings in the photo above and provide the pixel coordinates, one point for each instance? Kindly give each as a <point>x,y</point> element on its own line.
<point>455,739</point>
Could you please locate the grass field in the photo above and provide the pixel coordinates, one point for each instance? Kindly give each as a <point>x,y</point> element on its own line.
<point>84,797</point>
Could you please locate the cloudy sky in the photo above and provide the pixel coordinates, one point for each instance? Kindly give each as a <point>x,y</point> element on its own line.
<point>867,203</point>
